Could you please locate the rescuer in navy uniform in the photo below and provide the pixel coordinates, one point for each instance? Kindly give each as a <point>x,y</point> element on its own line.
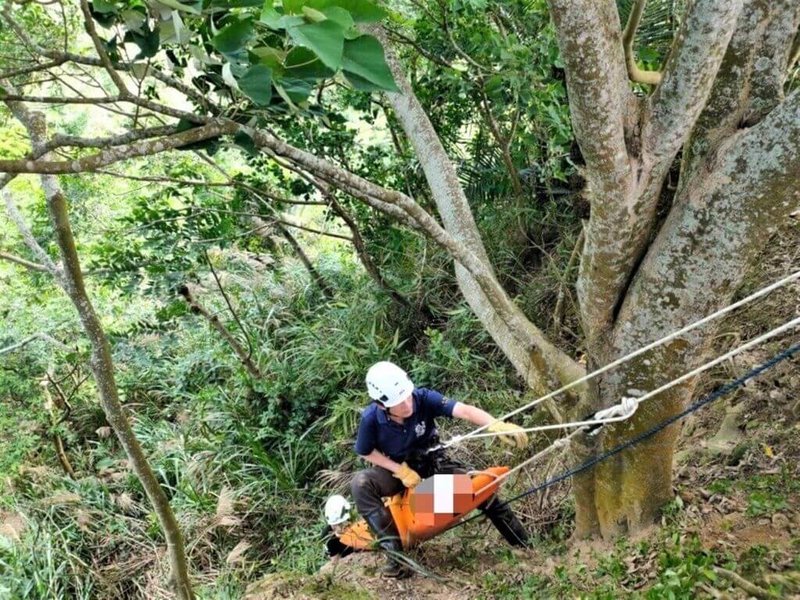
<point>395,433</point>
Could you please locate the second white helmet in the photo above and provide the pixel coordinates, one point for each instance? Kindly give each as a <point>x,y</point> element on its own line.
<point>337,510</point>
<point>388,384</point>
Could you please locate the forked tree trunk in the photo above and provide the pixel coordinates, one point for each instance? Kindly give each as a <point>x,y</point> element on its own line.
<point>642,279</point>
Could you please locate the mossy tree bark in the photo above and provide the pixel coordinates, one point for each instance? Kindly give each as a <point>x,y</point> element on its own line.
<point>643,278</point>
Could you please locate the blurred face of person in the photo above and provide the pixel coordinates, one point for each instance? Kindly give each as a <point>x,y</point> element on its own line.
<point>403,410</point>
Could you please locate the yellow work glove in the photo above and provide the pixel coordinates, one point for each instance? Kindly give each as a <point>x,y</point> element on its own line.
<point>408,476</point>
<point>509,433</point>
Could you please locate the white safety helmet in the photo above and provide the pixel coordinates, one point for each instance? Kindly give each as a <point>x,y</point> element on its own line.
<point>337,510</point>
<point>388,384</point>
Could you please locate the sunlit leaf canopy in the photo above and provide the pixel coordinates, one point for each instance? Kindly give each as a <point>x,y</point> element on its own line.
<point>272,54</point>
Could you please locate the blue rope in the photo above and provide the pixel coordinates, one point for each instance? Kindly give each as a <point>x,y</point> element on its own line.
<point>719,392</point>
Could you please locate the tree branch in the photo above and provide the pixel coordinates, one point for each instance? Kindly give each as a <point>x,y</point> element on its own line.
<point>59,141</point>
<point>217,325</point>
<point>30,241</point>
<point>603,111</point>
<point>25,263</point>
<point>152,71</point>
<point>503,142</point>
<point>33,69</point>
<point>298,250</point>
<point>88,22</point>
<point>56,419</point>
<point>634,72</point>
<point>113,155</point>
<point>537,360</point>
<point>63,99</point>
<point>688,79</point>
<point>28,340</point>
<point>772,59</point>
<point>230,306</point>
<point>102,364</point>
<point>749,587</point>
<point>589,40</point>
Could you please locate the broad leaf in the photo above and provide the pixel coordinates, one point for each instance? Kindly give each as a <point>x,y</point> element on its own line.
<point>313,14</point>
<point>103,6</point>
<point>293,7</point>
<point>275,20</point>
<point>339,15</point>
<point>297,90</point>
<point>270,17</point>
<point>245,142</point>
<point>325,39</point>
<point>361,84</point>
<point>362,11</point>
<point>271,57</point>
<point>256,84</point>
<point>364,58</point>
<point>146,39</point>
<point>233,37</point>
<point>301,63</point>
<point>193,8</point>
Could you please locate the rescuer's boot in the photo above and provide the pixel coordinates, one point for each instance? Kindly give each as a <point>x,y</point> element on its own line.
<point>382,525</point>
<point>506,522</point>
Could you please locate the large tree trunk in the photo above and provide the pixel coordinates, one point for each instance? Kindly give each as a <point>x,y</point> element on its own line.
<point>642,279</point>
<point>692,269</point>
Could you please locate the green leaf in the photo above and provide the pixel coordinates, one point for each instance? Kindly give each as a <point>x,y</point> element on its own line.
<point>245,142</point>
<point>234,37</point>
<point>361,84</point>
<point>362,11</point>
<point>301,63</point>
<point>313,14</point>
<point>293,7</point>
<point>325,39</point>
<point>103,6</point>
<point>134,19</point>
<point>106,17</point>
<point>364,58</point>
<point>270,17</point>
<point>146,39</point>
<point>275,20</point>
<point>296,90</point>
<point>256,84</point>
<point>190,8</point>
<point>339,15</point>
<point>271,57</point>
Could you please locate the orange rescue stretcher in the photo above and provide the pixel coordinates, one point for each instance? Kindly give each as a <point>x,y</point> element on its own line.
<point>435,505</point>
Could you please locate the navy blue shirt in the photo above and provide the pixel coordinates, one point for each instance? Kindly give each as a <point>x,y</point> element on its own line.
<point>397,441</point>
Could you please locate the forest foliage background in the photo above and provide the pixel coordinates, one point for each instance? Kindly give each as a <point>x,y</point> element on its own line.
<point>311,285</point>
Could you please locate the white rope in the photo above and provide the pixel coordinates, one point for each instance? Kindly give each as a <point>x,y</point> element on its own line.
<point>619,361</point>
<point>559,443</point>
<point>628,406</point>
<point>617,411</point>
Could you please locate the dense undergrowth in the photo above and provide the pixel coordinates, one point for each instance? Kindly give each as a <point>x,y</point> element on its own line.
<point>247,463</point>
<point>239,457</point>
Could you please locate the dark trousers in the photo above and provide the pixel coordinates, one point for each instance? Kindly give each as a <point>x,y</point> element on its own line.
<point>370,486</point>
